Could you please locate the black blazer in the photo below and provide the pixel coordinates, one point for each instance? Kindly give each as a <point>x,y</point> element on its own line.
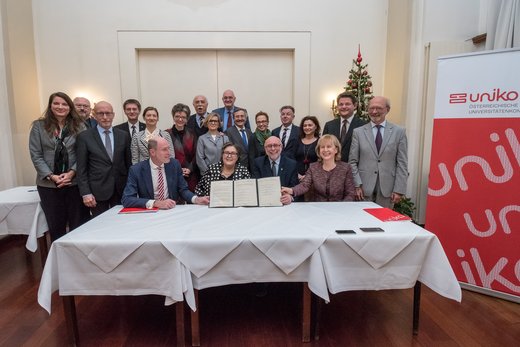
<point>236,137</point>
<point>194,126</point>
<point>124,126</point>
<point>292,144</point>
<point>96,173</point>
<point>287,171</point>
<point>333,127</point>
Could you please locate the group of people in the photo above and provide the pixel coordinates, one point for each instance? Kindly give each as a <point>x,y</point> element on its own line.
<point>85,165</point>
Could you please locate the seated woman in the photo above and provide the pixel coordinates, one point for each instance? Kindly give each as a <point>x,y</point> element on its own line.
<point>139,145</point>
<point>331,178</point>
<point>209,145</point>
<point>228,168</point>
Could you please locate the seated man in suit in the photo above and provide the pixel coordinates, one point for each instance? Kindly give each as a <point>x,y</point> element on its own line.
<point>146,180</point>
<point>275,163</point>
<point>103,159</point>
<point>226,113</point>
<point>288,132</point>
<point>240,135</point>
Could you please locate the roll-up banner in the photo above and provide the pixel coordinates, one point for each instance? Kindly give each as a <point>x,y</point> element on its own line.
<point>473,202</point>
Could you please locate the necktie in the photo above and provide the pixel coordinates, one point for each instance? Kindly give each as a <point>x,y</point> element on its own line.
<point>343,131</point>
<point>133,130</point>
<point>108,144</point>
<point>273,168</point>
<point>160,184</point>
<point>379,138</point>
<point>201,121</point>
<point>284,136</point>
<point>244,137</point>
<point>229,120</point>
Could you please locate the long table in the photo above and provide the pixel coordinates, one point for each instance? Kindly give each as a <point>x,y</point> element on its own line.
<point>173,253</point>
<point>21,213</point>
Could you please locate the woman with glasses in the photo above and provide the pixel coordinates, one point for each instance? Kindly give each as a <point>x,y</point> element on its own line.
<point>209,145</point>
<point>262,133</point>
<point>52,147</point>
<point>330,177</point>
<point>139,145</point>
<point>228,168</point>
<point>184,142</point>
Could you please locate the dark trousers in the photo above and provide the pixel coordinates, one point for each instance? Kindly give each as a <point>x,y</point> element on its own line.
<point>62,207</point>
<point>102,206</point>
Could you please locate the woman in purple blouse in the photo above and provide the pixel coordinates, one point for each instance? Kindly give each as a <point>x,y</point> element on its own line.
<point>331,178</point>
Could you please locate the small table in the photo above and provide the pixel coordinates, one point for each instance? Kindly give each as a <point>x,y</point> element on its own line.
<point>21,213</point>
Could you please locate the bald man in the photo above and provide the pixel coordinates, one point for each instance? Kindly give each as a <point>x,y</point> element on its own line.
<point>103,159</point>
<point>226,113</point>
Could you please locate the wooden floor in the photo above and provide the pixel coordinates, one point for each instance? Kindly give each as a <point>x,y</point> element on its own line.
<point>235,316</point>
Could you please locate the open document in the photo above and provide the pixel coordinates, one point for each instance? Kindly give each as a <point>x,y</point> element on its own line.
<point>261,192</point>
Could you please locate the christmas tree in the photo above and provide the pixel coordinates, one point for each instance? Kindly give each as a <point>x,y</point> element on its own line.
<point>359,83</point>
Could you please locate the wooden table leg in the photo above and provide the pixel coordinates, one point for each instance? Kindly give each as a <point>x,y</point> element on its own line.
<point>416,306</point>
<point>195,332</point>
<point>179,323</point>
<point>306,314</point>
<point>317,316</point>
<point>71,321</point>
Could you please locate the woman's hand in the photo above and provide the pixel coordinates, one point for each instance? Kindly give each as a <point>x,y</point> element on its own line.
<point>300,177</point>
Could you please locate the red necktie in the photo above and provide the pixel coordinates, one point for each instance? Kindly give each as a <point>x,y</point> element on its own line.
<point>160,184</point>
<point>229,120</point>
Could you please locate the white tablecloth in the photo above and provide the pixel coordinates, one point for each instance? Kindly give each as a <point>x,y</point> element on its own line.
<point>21,213</point>
<point>172,252</point>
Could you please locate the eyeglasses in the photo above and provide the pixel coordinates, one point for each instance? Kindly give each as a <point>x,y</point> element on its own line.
<point>230,154</point>
<point>101,114</point>
<point>376,108</point>
<point>275,145</point>
<point>179,117</point>
<point>262,122</point>
<point>213,121</point>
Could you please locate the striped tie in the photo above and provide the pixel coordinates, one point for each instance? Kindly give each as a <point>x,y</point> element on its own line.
<point>160,184</point>
<point>284,136</point>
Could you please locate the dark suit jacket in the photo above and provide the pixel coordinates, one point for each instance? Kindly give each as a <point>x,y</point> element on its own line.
<point>222,110</point>
<point>287,170</point>
<point>139,187</point>
<point>292,144</point>
<point>124,126</point>
<point>333,127</point>
<point>194,126</point>
<point>96,173</point>
<point>236,137</point>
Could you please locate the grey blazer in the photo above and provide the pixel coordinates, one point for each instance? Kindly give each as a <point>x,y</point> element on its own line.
<point>139,146</point>
<point>41,149</point>
<point>236,137</point>
<point>390,165</point>
<point>209,151</point>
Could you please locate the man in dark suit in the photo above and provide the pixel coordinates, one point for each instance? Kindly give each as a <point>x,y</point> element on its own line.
<point>146,186</point>
<point>226,113</point>
<point>103,159</point>
<point>344,126</point>
<point>288,132</point>
<point>240,135</point>
<point>132,109</point>
<point>275,163</point>
<point>200,103</point>
<point>82,106</point>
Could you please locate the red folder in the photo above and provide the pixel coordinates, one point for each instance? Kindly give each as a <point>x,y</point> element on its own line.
<point>130,210</point>
<point>386,215</point>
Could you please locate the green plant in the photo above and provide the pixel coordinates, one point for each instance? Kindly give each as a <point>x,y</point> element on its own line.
<point>405,207</point>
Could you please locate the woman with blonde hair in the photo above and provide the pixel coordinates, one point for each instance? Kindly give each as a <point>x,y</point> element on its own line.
<point>331,178</point>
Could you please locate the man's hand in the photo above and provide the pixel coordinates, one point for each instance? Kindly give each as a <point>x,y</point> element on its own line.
<point>164,204</point>
<point>89,201</point>
<point>286,199</point>
<point>396,197</point>
<point>359,194</point>
<point>202,200</point>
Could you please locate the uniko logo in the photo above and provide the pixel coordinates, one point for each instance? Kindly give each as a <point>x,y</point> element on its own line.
<point>495,96</point>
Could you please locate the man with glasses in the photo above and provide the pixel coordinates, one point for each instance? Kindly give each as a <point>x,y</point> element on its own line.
<point>82,106</point>
<point>132,109</point>
<point>275,163</point>
<point>103,159</point>
<point>379,157</point>
<point>226,112</point>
